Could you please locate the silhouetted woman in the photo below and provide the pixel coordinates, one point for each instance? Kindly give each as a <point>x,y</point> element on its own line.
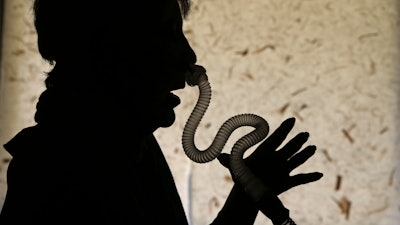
<point>92,157</point>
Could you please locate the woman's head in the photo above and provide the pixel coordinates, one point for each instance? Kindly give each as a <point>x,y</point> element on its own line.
<point>69,28</point>
<point>137,47</point>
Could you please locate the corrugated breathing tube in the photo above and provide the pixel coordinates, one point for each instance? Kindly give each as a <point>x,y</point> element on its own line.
<point>252,185</point>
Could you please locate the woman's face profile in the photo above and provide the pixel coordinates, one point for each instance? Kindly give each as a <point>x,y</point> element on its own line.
<point>152,62</point>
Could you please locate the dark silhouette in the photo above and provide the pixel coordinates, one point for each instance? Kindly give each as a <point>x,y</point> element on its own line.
<point>92,157</point>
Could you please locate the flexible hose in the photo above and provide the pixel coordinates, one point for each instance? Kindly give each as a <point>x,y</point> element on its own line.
<point>251,184</point>
<point>268,203</point>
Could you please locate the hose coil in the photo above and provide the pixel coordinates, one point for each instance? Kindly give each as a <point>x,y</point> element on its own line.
<point>252,185</point>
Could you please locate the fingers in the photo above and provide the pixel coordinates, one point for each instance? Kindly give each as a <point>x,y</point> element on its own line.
<point>277,137</point>
<point>301,157</point>
<point>294,145</point>
<point>304,178</point>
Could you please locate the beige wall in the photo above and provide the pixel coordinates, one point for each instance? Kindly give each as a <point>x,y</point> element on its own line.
<point>21,79</point>
<point>334,65</point>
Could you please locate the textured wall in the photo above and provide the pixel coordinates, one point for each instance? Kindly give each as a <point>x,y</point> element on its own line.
<point>334,65</point>
<point>21,76</point>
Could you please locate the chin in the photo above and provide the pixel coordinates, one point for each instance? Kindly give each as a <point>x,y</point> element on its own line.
<point>166,119</point>
<point>167,122</point>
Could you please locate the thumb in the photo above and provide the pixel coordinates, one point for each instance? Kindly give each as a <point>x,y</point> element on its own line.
<point>223,158</point>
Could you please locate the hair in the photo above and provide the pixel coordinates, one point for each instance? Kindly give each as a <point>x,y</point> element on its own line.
<point>68,28</point>
<point>185,6</point>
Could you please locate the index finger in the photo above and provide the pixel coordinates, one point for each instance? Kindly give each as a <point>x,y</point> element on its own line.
<point>276,138</point>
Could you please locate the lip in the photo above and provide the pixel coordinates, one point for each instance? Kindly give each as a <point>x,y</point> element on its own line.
<point>178,87</point>
<point>179,84</point>
<point>173,99</point>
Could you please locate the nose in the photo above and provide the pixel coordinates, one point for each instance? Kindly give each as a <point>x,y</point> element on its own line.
<point>189,54</point>
<point>185,57</point>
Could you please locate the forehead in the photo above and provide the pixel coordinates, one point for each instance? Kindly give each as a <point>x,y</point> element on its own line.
<point>143,21</point>
<point>150,13</point>
<point>170,11</point>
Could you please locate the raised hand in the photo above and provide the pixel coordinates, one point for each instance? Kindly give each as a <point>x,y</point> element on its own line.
<point>273,166</point>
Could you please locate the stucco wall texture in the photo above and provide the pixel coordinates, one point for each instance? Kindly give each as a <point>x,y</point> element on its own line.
<point>333,65</point>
